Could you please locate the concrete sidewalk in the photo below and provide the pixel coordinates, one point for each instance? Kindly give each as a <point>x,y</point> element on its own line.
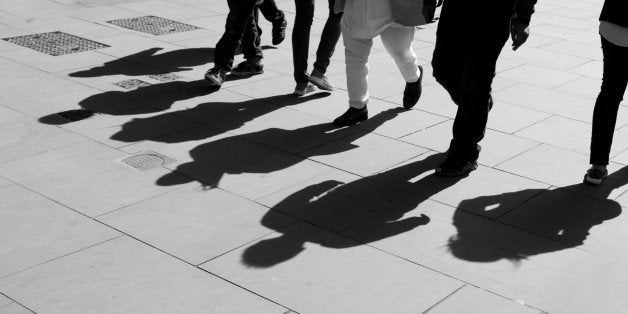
<point>176,198</point>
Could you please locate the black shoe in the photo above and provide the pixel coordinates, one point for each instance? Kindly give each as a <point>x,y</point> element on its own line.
<point>412,93</point>
<point>351,116</point>
<point>247,68</point>
<point>459,163</point>
<point>279,29</point>
<point>595,176</point>
<point>455,166</point>
<point>216,76</point>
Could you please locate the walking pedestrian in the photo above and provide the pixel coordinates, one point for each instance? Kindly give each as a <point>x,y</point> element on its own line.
<point>614,36</point>
<point>241,30</point>
<point>469,39</point>
<point>394,22</point>
<point>301,42</point>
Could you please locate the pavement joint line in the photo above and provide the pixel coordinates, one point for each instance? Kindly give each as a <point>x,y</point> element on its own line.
<point>444,299</point>
<point>517,155</point>
<point>61,256</point>
<point>14,301</point>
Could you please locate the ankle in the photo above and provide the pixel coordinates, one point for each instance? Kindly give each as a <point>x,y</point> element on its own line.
<point>600,167</point>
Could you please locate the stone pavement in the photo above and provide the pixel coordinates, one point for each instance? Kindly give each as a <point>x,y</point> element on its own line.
<point>175,198</point>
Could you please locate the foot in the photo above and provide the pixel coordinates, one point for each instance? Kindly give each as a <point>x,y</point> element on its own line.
<point>320,80</point>
<point>455,166</point>
<point>279,30</point>
<point>595,175</point>
<point>303,88</point>
<point>351,116</point>
<point>247,68</point>
<point>216,76</point>
<point>459,162</point>
<point>412,93</point>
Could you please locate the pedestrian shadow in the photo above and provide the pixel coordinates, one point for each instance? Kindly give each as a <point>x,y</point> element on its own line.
<point>560,214</point>
<point>238,154</point>
<point>143,100</point>
<point>364,211</point>
<point>221,116</point>
<point>151,63</point>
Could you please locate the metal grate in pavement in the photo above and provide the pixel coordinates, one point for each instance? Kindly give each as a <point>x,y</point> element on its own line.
<point>147,160</point>
<point>165,77</point>
<point>153,25</point>
<point>131,84</point>
<point>55,43</point>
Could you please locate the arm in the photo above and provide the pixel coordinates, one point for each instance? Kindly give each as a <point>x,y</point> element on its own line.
<point>519,28</point>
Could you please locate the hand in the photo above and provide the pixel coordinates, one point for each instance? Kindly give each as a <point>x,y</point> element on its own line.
<point>519,33</point>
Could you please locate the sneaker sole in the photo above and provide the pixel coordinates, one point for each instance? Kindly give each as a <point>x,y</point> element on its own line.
<point>456,174</point>
<point>320,83</point>
<point>213,81</point>
<point>592,181</point>
<point>307,90</point>
<point>235,73</point>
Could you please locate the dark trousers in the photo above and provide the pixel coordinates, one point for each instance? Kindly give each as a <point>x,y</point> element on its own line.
<point>467,48</point>
<point>270,11</point>
<point>240,28</point>
<point>611,94</point>
<point>301,39</point>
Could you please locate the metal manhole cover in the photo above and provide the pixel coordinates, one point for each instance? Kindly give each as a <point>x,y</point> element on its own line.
<point>165,77</point>
<point>147,160</point>
<point>153,25</point>
<point>55,43</point>
<point>131,84</point>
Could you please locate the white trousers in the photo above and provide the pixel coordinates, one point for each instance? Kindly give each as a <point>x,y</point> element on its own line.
<point>398,42</point>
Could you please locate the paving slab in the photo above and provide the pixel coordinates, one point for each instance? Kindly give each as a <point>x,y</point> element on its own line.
<point>497,147</point>
<point>470,300</point>
<point>296,280</point>
<point>124,275</point>
<point>36,230</point>
<point>195,225</point>
<point>85,177</point>
<point>14,308</point>
<point>539,76</point>
<point>364,155</point>
<point>28,138</point>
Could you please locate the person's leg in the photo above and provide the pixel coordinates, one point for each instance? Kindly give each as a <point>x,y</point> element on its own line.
<point>239,13</point>
<point>251,49</point>
<point>611,94</point>
<point>270,11</point>
<point>398,43</point>
<point>274,15</point>
<point>301,38</point>
<point>357,53</point>
<point>329,39</point>
<point>477,78</point>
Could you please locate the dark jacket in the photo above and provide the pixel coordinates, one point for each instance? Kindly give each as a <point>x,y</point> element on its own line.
<point>616,12</point>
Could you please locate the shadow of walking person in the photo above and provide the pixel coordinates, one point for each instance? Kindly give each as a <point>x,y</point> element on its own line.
<point>221,116</point>
<point>366,207</point>
<point>147,99</point>
<point>167,62</point>
<point>238,155</point>
<point>558,214</point>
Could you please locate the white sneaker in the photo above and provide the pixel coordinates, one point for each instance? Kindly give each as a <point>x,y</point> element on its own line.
<point>303,88</point>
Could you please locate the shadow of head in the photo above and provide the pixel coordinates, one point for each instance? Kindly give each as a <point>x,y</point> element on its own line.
<point>552,220</point>
<point>147,62</point>
<point>65,117</point>
<point>270,252</point>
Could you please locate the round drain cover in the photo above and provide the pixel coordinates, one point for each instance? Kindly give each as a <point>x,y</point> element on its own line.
<point>144,161</point>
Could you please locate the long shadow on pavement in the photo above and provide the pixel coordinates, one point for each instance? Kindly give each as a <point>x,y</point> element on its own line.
<point>558,214</point>
<point>221,116</point>
<point>237,154</point>
<point>336,206</point>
